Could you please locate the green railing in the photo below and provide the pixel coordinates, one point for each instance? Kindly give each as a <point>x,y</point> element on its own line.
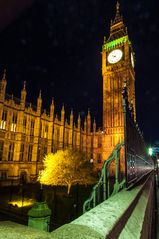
<point>102,190</point>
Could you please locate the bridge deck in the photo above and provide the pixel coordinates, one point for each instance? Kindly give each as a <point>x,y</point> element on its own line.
<point>124,215</point>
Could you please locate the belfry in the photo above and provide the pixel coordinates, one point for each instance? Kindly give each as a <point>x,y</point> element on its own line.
<point>117,68</point>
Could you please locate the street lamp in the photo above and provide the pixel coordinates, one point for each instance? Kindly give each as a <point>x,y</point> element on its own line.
<point>91,160</point>
<point>150,151</point>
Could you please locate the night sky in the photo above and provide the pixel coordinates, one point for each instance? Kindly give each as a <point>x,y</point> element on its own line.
<point>55,45</point>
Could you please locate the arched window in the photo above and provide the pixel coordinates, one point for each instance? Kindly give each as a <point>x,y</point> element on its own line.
<point>11,152</point>
<point>1,149</point>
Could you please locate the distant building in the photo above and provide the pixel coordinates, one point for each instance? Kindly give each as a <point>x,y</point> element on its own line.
<point>27,132</point>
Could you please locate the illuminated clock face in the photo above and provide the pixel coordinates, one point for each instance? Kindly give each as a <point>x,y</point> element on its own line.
<point>115,56</point>
<point>132,60</point>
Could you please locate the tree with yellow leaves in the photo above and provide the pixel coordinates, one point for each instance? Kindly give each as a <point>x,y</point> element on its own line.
<point>66,168</point>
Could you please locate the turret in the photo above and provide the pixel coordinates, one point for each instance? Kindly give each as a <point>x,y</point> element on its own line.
<point>88,121</point>
<point>3,85</point>
<point>23,95</point>
<point>52,107</point>
<point>62,114</point>
<point>79,122</point>
<point>94,126</point>
<point>85,125</point>
<point>71,118</point>
<point>39,103</point>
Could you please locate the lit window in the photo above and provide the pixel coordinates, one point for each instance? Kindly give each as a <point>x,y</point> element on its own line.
<point>4,120</point>
<point>3,124</point>
<point>14,122</point>
<point>13,127</point>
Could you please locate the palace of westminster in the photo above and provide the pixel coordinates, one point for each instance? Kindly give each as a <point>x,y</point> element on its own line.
<point>27,132</point>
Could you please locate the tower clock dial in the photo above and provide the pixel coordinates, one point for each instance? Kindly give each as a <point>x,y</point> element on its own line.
<point>132,60</point>
<point>115,56</point>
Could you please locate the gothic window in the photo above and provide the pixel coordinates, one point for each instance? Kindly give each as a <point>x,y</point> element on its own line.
<point>11,152</point>
<point>14,122</point>
<point>24,124</point>
<point>21,157</point>
<point>30,149</point>
<point>32,128</point>
<point>1,149</point>
<point>4,120</point>
<point>46,131</point>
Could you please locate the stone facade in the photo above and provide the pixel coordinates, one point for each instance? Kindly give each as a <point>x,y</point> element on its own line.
<point>27,133</point>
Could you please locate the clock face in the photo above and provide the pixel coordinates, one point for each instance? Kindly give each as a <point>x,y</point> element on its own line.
<point>132,60</point>
<point>115,56</point>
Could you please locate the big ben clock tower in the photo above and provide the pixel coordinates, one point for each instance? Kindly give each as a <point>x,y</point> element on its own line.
<point>117,68</point>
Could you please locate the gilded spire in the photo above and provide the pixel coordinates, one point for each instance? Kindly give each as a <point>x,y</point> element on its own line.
<point>40,94</point>
<point>79,121</point>
<point>52,108</point>
<point>39,103</point>
<point>4,74</point>
<point>117,5</point>
<point>118,17</point>
<point>24,85</point>
<point>94,125</point>
<point>117,28</point>
<point>63,108</point>
<point>71,118</point>
<point>88,115</point>
<point>52,102</point>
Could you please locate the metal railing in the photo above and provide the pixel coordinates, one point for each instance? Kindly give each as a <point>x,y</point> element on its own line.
<point>102,190</point>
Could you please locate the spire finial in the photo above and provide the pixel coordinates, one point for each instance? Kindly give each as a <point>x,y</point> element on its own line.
<point>40,94</point>
<point>118,17</point>
<point>4,74</point>
<point>63,107</point>
<point>24,85</point>
<point>117,6</point>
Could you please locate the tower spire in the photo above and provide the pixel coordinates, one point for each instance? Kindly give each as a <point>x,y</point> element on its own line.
<point>117,27</point>
<point>118,16</point>
<point>4,74</point>
<point>24,85</point>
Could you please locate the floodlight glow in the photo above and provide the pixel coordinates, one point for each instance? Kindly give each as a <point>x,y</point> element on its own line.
<point>150,152</point>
